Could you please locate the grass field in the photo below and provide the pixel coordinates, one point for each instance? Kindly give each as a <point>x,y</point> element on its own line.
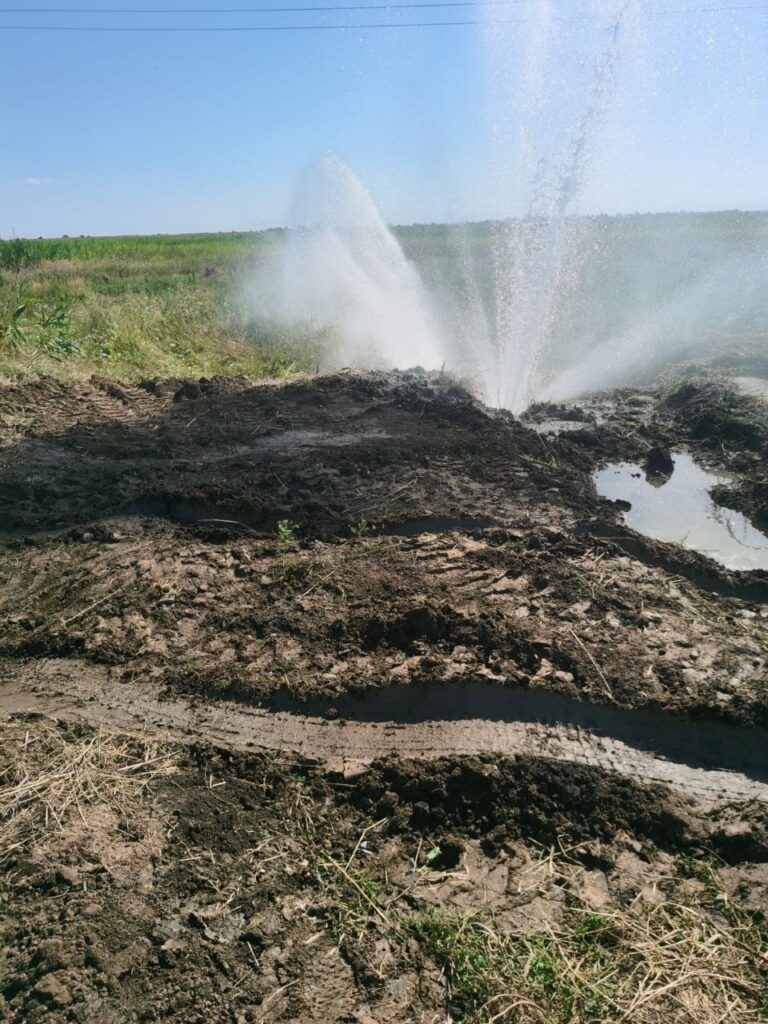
<point>132,307</point>
<point>171,305</point>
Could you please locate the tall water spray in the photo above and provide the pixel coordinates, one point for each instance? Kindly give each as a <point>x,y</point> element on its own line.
<point>538,302</point>
<point>341,275</point>
<point>549,87</point>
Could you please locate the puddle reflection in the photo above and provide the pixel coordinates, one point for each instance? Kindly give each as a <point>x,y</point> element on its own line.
<point>756,387</point>
<point>679,510</point>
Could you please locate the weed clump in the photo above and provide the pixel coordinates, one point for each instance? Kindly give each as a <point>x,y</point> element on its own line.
<point>664,962</point>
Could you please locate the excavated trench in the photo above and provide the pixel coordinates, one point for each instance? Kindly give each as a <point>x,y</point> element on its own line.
<point>200,513</point>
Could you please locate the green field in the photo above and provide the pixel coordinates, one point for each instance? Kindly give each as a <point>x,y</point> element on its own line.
<point>137,306</point>
<point>133,307</point>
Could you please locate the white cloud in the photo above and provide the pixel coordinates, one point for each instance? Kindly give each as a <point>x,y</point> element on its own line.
<point>34,182</point>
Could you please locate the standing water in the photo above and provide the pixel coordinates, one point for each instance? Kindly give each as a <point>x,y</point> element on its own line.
<point>679,509</point>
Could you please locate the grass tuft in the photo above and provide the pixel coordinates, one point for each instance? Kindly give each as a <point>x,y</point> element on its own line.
<point>647,964</point>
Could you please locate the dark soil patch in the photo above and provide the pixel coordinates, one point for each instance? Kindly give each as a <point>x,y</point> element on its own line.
<point>348,533</point>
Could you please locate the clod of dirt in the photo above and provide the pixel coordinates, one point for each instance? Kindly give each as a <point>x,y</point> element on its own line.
<point>520,797</point>
<point>190,390</point>
<point>659,463</point>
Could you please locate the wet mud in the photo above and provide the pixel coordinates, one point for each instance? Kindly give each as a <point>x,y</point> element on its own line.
<point>365,624</point>
<point>711,761</point>
<point>348,534</point>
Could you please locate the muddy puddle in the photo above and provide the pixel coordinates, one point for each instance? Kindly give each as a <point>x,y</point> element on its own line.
<point>679,509</point>
<point>558,426</point>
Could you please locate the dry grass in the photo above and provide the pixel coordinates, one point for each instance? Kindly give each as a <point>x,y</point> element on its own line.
<point>681,960</point>
<point>51,774</point>
<point>650,963</point>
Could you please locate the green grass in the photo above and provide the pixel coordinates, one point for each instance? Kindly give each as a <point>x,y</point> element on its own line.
<point>679,959</point>
<point>567,976</point>
<point>647,964</point>
<point>137,306</point>
<point>134,307</point>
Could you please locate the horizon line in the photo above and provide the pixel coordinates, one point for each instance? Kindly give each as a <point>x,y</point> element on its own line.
<point>393,226</point>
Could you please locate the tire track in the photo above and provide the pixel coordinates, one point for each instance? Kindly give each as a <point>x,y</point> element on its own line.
<point>72,691</point>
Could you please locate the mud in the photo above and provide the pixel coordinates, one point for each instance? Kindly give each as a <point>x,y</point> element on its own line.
<point>373,620</point>
<point>328,454</point>
<point>446,544</point>
<point>228,887</point>
<point>711,761</point>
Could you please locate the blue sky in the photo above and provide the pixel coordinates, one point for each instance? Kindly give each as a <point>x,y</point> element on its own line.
<point>113,133</point>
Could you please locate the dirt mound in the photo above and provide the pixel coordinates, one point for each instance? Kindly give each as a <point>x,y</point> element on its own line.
<point>401,476</point>
<point>326,456</point>
<point>499,800</point>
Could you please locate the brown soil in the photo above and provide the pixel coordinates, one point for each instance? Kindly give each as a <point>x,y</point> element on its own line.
<point>355,568</point>
<point>207,887</point>
<point>395,575</point>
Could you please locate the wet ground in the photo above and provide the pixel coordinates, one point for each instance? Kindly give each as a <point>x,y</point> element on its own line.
<point>756,387</point>
<point>353,569</point>
<point>346,534</point>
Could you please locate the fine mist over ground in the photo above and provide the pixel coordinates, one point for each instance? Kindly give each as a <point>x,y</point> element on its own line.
<point>645,292</point>
<point>339,278</point>
<point>539,301</point>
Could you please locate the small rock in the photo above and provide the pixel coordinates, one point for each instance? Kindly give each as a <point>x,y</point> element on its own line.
<point>252,933</point>
<point>51,990</point>
<point>659,463</point>
<point>388,803</point>
<point>594,889</point>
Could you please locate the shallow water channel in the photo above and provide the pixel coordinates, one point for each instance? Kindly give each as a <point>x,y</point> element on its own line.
<point>678,509</point>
